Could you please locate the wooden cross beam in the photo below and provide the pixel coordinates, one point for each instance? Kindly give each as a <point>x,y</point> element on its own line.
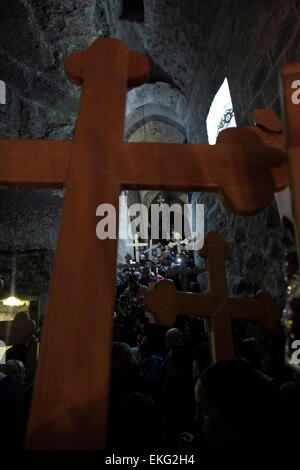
<point>165,303</point>
<point>269,129</point>
<point>136,246</point>
<point>290,95</point>
<point>70,402</point>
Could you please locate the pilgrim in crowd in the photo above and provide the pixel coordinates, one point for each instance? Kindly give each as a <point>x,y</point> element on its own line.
<point>165,390</point>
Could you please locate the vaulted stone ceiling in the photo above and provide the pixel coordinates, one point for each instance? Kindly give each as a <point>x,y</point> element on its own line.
<point>37,35</point>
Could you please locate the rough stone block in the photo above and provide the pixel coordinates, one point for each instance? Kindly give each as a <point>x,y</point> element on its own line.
<point>260,75</point>
<point>38,122</point>
<point>46,92</point>
<point>293,49</point>
<point>271,86</point>
<point>285,33</point>
<point>25,46</point>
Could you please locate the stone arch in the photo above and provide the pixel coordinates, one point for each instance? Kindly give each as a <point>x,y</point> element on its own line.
<point>150,119</point>
<point>159,110</point>
<point>160,93</point>
<point>155,112</point>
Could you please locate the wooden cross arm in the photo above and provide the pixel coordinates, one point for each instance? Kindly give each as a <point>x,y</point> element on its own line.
<point>34,162</point>
<point>165,303</point>
<point>14,332</point>
<point>240,171</point>
<point>290,94</point>
<point>263,309</point>
<point>267,120</point>
<point>270,131</point>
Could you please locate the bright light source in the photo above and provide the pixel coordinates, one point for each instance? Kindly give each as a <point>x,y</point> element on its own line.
<point>219,111</point>
<point>14,302</point>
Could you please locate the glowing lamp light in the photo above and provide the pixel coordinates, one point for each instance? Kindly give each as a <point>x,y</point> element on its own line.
<point>14,302</point>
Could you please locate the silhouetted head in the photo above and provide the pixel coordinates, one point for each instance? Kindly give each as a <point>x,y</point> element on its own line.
<point>174,337</point>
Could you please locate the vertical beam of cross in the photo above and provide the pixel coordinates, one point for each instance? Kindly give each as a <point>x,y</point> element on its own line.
<point>70,403</point>
<point>215,251</point>
<point>290,95</point>
<point>136,246</point>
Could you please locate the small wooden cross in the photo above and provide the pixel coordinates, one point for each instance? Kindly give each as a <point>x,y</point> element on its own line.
<point>70,401</point>
<point>165,303</point>
<point>137,245</point>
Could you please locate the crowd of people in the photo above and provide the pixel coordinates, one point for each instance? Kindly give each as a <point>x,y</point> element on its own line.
<point>165,391</point>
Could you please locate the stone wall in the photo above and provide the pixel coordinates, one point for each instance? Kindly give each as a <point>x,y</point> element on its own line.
<point>28,232</point>
<point>249,42</point>
<point>35,37</point>
<point>192,49</point>
<point>264,38</point>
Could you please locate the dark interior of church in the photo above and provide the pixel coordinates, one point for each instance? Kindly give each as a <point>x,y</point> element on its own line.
<point>182,334</point>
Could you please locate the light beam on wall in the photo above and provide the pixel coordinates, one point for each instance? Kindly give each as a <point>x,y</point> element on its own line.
<point>221,115</point>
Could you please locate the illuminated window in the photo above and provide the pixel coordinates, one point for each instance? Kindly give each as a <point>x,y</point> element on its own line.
<point>221,114</point>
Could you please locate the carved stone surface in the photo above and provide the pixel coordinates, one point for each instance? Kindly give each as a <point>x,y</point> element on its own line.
<point>28,232</point>
<point>257,261</point>
<point>191,50</point>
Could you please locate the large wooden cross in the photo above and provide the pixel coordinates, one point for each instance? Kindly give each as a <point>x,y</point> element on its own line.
<point>290,95</point>
<point>165,303</point>
<point>70,403</point>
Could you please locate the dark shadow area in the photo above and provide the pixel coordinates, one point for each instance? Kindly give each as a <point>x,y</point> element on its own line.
<point>133,10</point>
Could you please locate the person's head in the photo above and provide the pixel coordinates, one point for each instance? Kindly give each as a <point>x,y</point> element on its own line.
<point>137,276</point>
<point>234,389</point>
<point>15,368</point>
<point>123,360</point>
<point>145,271</point>
<point>174,337</point>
